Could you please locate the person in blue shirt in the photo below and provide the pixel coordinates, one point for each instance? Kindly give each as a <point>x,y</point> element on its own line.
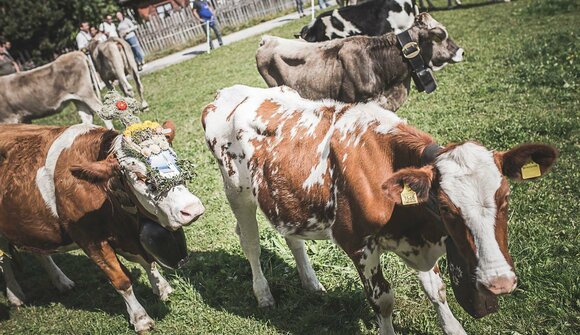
<point>202,11</point>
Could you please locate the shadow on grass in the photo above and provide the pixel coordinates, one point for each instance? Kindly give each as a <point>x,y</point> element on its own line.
<point>92,291</point>
<point>224,281</point>
<point>195,52</point>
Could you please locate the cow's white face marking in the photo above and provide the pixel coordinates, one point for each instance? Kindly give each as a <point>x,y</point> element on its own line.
<point>470,178</point>
<point>348,30</point>
<point>176,208</point>
<point>45,175</point>
<point>400,21</point>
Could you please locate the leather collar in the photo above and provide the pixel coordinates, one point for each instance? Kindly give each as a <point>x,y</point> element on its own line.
<point>422,74</point>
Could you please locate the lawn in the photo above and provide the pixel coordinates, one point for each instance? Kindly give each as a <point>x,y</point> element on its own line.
<point>520,83</point>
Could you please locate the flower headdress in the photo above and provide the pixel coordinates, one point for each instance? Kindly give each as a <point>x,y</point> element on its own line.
<point>147,142</point>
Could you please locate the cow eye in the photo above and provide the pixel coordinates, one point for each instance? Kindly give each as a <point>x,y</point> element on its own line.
<point>151,186</point>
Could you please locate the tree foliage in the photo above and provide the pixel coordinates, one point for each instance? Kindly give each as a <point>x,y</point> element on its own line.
<point>46,28</point>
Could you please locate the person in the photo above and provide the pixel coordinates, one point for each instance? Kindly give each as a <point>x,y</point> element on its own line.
<point>126,30</point>
<point>83,37</point>
<point>108,27</point>
<point>300,8</point>
<point>323,2</point>
<point>7,64</point>
<point>204,13</point>
<point>97,35</point>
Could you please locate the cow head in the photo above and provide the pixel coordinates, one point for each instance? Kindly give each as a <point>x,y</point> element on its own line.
<point>437,47</point>
<point>470,186</point>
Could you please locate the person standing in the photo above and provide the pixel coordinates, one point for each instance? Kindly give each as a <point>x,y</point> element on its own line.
<point>203,12</point>
<point>126,29</point>
<point>300,8</point>
<point>83,37</point>
<point>108,27</point>
<point>7,63</point>
<point>323,2</point>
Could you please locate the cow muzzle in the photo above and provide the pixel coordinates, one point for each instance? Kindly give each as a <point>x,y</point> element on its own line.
<point>500,284</point>
<point>458,57</point>
<point>190,213</point>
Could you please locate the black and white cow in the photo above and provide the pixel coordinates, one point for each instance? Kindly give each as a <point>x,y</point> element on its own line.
<point>371,18</point>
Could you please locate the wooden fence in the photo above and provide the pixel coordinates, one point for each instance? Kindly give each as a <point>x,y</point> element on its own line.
<point>181,26</point>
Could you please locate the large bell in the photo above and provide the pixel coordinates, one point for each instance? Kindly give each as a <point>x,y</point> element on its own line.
<point>168,248</point>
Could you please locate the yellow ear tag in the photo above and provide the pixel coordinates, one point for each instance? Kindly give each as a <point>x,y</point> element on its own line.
<point>531,170</point>
<point>408,196</point>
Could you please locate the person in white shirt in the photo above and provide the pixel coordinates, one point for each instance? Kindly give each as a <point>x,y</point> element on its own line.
<point>126,30</point>
<point>97,35</point>
<point>83,37</point>
<point>108,27</point>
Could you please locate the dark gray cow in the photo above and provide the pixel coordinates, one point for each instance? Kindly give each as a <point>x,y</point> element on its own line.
<point>354,69</point>
<point>46,90</point>
<point>114,60</point>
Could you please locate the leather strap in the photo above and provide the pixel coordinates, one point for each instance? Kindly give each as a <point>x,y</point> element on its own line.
<point>422,75</point>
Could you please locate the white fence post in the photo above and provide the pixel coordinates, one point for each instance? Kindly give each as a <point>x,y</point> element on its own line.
<point>208,37</point>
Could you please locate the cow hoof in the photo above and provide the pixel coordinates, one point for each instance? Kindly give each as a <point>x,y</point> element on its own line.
<point>315,287</point>
<point>265,302</point>
<point>144,325</point>
<point>64,284</point>
<point>15,301</point>
<point>164,292</point>
<point>144,106</point>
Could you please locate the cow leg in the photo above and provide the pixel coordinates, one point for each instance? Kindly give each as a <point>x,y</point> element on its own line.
<point>247,229</point>
<point>159,284</point>
<point>305,270</point>
<point>13,291</point>
<point>57,277</point>
<point>435,290</point>
<point>377,289</point>
<point>144,104</point>
<point>104,256</point>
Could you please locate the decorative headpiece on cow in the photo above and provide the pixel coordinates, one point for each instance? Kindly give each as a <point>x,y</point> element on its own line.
<point>154,178</point>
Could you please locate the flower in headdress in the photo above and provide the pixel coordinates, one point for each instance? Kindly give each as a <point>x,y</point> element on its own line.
<point>121,105</point>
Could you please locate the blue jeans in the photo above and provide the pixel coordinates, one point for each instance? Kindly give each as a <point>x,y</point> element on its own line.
<point>136,47</point>
<point>321,2</point>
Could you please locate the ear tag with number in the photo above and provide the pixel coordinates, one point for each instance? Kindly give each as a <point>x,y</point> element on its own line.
<point>408,196</point>
<point>531,170</point>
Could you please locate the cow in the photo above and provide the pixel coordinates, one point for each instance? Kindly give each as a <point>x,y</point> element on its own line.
<point>86,187</point>
<point>114,60</point>
<point>372,18</point>
<point>334,171</point>
<point>355,69</point>
<point>46,90</point>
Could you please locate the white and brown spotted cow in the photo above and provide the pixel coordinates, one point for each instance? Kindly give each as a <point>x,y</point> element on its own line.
<point>78,187</point>
<point>327,170</point>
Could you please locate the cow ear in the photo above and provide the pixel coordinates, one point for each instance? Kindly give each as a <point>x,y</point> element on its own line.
<point>437,34</point>
<point>419,181</point>
<point>513,160</point>
<point>96,172</point>
<point>169,130</point>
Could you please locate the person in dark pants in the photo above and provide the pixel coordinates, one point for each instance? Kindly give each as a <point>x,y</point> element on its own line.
<point>202,11</point>
<point>300,8</point>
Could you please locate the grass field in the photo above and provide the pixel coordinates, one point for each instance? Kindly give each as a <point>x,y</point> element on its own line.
<point>520,82</point>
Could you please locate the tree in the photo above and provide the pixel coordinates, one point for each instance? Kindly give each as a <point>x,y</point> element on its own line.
<point>47,28</point>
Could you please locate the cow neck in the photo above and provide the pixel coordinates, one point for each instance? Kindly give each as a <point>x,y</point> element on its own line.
<point>411,52</point>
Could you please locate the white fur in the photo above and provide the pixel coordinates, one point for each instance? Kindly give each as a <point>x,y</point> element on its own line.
<point>57,277</point>
<point>45,175</point>
<point>470,177</point>
<point>349,28</point>
<point>435,290</point>
<point>137,314</point>
<point>400,21</point>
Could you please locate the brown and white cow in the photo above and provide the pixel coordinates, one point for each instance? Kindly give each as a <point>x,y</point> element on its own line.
<point>79,187</point>
<point>46,90</point>
<point>357,68</point>
<point>327,170</point>
<point>114,60</point>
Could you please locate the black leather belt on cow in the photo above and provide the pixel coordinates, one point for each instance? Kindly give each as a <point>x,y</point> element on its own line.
<point>422,75</point>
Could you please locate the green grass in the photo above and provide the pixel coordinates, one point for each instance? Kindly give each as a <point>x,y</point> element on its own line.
<point>520,83</point>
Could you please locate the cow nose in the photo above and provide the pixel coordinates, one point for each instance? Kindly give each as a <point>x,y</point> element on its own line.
<point>190,213</point>
<point>503,284</point>
<point>458,57</point>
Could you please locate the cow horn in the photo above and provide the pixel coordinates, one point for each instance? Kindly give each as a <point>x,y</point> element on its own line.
<point>121,108</point>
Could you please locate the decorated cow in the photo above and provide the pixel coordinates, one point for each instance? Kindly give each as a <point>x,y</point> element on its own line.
<point>104,192</point>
